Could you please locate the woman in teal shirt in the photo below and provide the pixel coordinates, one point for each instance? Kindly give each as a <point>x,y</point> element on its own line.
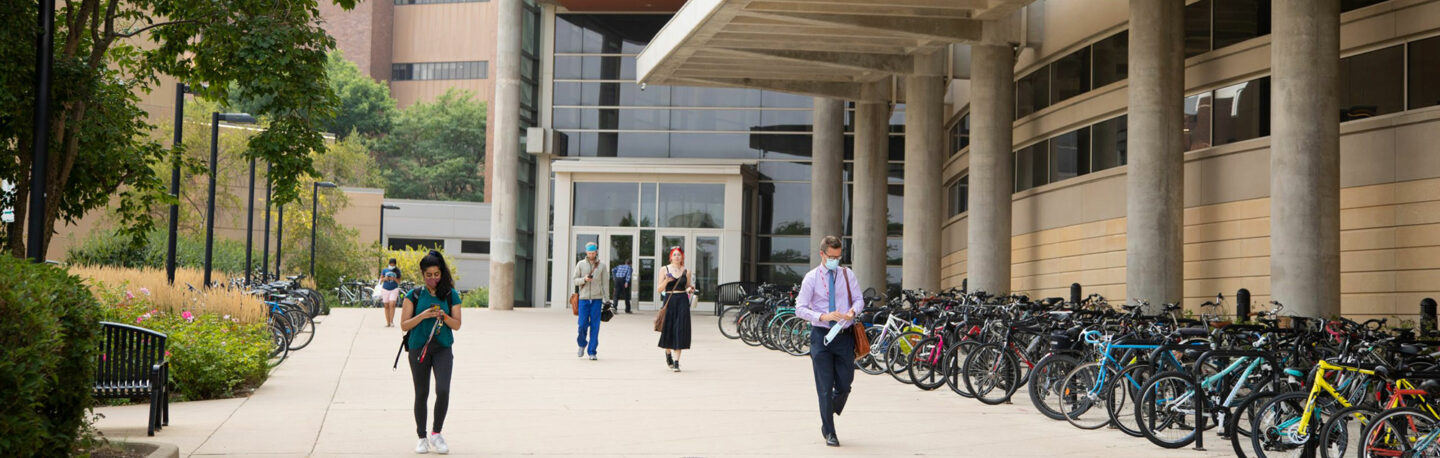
<point>431,335</point>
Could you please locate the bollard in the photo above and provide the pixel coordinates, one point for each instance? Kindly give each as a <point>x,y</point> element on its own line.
<point>965,285</point>
<point>1427,316</point>
<point>1242,305</point>
<point>1074,293</point>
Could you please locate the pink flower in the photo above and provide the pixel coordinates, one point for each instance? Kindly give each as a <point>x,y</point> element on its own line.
<point>102,356</point>
<point>167,353</point>
<point>187,316</point>
<point>146,291</point>
<point>140,318</point>
<point>129,295</point>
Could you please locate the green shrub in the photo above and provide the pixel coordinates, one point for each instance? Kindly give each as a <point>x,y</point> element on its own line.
<point>478,297</point>
<point>408,260</point>
<point>211,355</point>
<point>109,248</point>
<point>50,334</point>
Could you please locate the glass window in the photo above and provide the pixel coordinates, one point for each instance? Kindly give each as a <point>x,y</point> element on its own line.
<point>1424,69</point>
<point>1031,169</point>
<point>1240,20</point>
<point>725,120</point>
<point>606,204</point>
<point>1032,93</point>
<point>784,171</point>
<point>606,33</point>
<point>798,120</point>
<point>959,195</point>
<point>1070,155</point>
<point>720,145</point>
<point>1347,5</point>
<point>772,99</point>
<point>1070,75</point>
<point>692,205</point>
<point>1242,111</point>
<point>894,252</point>
<point>895,210</point>
<point>782,274</point>
<point>1112,57</point>
<point>707,267</point>
<point>1197,28</point>
<point>785,208</point>
<point>785,249</point>
<point>400,243</point>
<point>1197,121</point>
<point>647,243</point>
<point>647,204</point>
<point>892,281</point>
<point>580,241</point>
<point>1110,137</point>
<point>1372,83</point>
<point>960,135</point>
<point>475,246</point>
<point>687,96</point>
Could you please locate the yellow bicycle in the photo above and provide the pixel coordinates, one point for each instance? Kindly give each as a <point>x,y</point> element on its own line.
<point>1286,425</point>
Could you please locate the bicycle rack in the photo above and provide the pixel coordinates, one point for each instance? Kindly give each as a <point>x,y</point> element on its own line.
<point>1201,406</point>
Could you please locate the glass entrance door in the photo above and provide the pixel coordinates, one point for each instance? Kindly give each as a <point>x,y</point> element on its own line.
<point>702,257</point>
<point>621,247</point>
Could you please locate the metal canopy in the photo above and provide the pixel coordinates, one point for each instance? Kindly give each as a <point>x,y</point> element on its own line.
<point>827,48</point>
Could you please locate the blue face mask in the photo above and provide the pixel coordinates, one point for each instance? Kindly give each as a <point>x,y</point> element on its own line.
<point>832,264</point>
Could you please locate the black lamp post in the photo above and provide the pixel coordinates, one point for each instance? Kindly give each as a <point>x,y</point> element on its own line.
<point>215,118</point>
<point>180,90</point>
<point>384,207</point>
<point>39,153</point>
<point>279,238</point>
<point>314,221</point>
<point>265,252</point>
<point>250,221</point>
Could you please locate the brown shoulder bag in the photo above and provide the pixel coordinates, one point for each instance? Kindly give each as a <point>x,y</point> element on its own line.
<point>862,341</point>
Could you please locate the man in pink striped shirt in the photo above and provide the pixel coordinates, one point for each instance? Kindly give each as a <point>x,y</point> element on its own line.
<point>829,300</point>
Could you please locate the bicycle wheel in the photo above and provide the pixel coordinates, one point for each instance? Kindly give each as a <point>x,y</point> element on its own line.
<point>1120,402</point>
<point>1045,381</point>
<point>750,329</point>
<point>1167,409</point>
<point>770,333</point>
<point>992,373</point>
<point>1275,428</point>
<point>870,364</point>
<point>302,329</point>
<point>279,341</point>
<point>1237,426</point>
<point>954,366</point>
<point>729,322</point>
<point>796,335</point>
<point>925,364</point>
<point>1342,433</point>
<point>1082,395</point>
<point>1405,432</point>
<point>897,357</point>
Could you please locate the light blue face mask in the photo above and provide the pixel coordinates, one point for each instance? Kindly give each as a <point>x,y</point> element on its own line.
<point>832,264</point>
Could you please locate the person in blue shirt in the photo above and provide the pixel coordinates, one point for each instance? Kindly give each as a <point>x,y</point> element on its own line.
<point>430,316</point>
<point>623,274</point>
<point>390,291</point>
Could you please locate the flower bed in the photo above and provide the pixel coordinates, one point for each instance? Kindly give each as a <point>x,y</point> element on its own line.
<point>218,342</point>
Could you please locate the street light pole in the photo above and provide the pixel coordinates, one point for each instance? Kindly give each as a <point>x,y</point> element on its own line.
<point>265,253</point>
<point>314,221</point>
<point>279,238</point>
<point>180,90</point>
<point>215,119</point>
<point>39,152</point>
<point>250,221</point>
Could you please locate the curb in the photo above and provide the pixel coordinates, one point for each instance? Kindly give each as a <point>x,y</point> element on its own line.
<point>162,450</point>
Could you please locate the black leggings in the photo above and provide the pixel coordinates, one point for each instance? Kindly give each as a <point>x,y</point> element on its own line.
<point>440,360</point>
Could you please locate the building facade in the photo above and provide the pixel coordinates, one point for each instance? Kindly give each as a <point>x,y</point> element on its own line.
<point>1189,147</point>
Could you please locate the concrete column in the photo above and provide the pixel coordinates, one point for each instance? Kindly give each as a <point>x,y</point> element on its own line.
<point>504,164</point>
<point>1155,184</point>
<point>827,152</point>
<point>1305,157</point>
<point>992,170</point>
<point>872,126</point>
<point>924,142</point>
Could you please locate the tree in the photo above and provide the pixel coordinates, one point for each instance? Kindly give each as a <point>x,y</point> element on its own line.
<point>366,107</point>
<point>273,47</point>
<point>435,151</point>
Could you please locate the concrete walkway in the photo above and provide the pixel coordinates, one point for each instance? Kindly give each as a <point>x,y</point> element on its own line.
<point>519,390</point>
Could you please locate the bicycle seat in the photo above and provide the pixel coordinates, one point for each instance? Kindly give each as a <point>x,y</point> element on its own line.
<point>1193,332</point>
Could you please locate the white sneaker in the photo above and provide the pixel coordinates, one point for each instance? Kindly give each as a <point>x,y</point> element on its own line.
<point>437,442</point>
<point>422,447</point>
<point>580,353</point>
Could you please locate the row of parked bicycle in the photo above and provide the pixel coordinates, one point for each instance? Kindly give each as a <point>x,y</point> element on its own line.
<point>1273,385</point>
<point>291,309</point>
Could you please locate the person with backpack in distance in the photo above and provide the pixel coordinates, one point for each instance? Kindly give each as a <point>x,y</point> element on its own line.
<point>590,278</point>
<point>430,316</point>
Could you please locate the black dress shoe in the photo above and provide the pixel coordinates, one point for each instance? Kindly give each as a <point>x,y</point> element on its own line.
<point>831,440</point>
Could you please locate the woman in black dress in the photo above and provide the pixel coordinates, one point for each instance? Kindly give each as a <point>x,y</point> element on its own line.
<point>676,287</point>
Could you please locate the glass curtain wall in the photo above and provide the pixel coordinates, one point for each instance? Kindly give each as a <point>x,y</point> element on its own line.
<point>529,117</point>
<point>604,113</point>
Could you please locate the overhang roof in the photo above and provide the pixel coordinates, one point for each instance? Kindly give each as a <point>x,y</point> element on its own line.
<point>828,48</point>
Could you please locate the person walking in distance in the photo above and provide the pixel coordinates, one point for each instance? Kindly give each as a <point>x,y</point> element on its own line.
<point>675,288</point>
<point>590,278</point>
<point>429,317</point>
<point>390,291</point>
<point>828,301</point>
<point>622,276</point>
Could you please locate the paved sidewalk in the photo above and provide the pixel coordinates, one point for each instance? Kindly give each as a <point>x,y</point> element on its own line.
<point>519,390</point>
